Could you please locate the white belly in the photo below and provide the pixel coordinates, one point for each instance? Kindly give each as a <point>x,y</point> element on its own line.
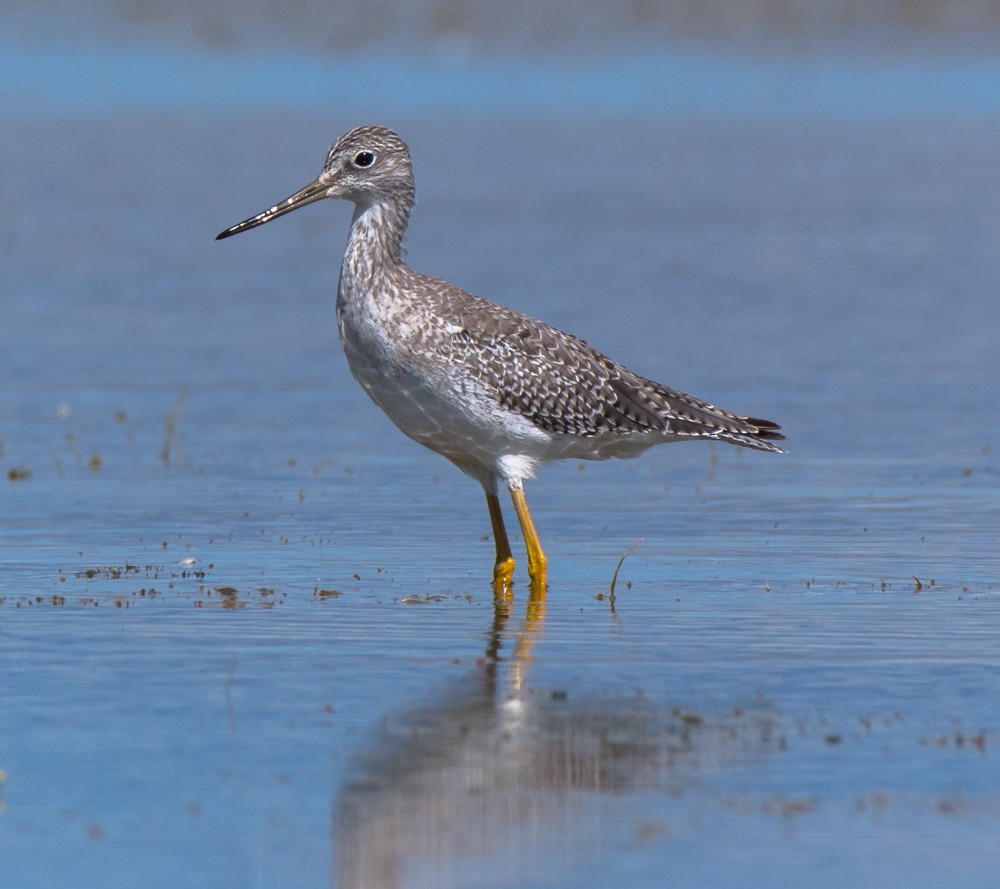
<point>444,410</point>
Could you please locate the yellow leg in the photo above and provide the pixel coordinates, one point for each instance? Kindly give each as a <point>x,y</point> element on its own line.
<point>503,568</point>
<point>536,558</point>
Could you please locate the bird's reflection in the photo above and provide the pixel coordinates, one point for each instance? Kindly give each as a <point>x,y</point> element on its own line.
<point>499,782</point>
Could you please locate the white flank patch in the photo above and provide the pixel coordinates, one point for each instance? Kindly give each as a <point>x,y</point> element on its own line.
<point>515,467</point>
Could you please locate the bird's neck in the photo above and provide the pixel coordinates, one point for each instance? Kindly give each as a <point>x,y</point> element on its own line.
<point>375,244</point>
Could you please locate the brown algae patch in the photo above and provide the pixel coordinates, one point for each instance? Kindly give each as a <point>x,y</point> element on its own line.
<point>102,585</point>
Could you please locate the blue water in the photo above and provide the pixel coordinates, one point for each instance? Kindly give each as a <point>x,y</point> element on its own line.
<point>246,631</point>
<point>647,81</point>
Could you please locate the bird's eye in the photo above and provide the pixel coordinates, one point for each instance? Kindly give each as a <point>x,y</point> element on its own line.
<point>364,158</point>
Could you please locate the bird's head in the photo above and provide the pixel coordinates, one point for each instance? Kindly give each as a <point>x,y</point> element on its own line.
<point>367,165</point>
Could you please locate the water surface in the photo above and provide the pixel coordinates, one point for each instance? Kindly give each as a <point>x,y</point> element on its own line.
<point>247,632</point>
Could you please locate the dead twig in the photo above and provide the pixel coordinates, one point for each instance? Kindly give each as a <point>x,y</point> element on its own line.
<point>618,567</point>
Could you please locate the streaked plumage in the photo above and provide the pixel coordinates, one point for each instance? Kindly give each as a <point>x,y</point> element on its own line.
<point>495,391</point>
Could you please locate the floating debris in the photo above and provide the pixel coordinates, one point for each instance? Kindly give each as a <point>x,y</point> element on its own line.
<point>618,567</point>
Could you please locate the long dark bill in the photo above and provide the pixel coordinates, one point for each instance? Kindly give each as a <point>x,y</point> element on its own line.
<point>314,191</point>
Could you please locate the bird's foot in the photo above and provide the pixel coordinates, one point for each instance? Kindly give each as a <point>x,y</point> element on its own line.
<point>503,578</point>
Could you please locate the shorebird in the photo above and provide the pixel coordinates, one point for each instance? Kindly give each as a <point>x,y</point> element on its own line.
<point>495,391</point>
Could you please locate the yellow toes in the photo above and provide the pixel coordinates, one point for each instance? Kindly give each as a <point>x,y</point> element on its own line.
<point>503,577</point>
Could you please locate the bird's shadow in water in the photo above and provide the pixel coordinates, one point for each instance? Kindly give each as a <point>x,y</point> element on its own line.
<point>500,782</point>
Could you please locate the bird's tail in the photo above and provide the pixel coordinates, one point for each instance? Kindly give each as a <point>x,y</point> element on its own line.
<point>645,403</point>
<point>759,434</point>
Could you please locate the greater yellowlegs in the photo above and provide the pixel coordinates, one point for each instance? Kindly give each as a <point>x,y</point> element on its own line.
<point>496,392</point>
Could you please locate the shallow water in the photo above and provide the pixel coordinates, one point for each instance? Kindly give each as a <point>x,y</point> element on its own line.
<point>247,633</point>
